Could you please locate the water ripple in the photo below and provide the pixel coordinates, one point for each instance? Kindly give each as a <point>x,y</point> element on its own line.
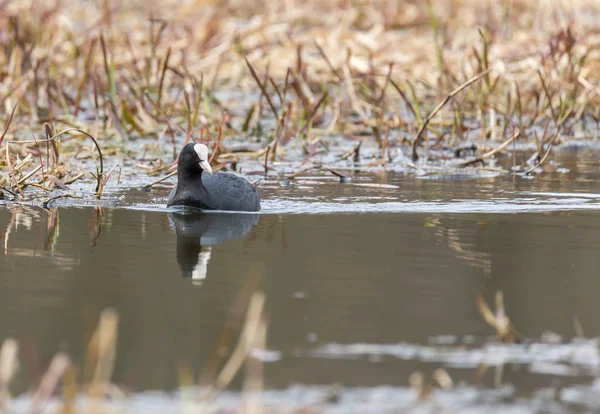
<point>496,205</point>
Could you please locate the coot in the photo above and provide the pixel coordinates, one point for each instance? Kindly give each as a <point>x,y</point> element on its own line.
<point>218,191</point>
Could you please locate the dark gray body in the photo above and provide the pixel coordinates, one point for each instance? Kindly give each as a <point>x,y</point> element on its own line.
<point>218,191</point>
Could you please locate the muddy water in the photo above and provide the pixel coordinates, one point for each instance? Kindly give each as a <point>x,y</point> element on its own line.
<point>365,283</point>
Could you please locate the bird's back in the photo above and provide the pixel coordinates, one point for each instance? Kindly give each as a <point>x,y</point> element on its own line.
<point>218,191</point>
<point>230,192</point>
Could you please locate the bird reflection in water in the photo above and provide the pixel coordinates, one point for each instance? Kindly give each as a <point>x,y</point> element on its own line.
<point>198,231</point>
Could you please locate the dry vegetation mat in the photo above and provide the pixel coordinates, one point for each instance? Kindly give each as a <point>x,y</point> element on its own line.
<point>101,91</point>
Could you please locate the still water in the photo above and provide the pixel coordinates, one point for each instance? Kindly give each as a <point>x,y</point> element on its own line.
<point>364,285</point>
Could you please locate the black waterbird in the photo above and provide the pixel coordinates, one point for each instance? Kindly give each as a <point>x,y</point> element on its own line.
<point>198,187</point>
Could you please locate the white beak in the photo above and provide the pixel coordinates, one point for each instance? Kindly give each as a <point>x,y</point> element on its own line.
<point>206,166</point>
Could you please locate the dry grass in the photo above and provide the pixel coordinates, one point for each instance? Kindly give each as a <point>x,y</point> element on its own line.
<point>97,387</point>
<point>287,71</point>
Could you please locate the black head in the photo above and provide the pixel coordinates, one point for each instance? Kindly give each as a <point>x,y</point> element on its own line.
<point>193,159</point>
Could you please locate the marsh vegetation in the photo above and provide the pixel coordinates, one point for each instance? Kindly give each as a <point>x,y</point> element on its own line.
<point>373,127</point>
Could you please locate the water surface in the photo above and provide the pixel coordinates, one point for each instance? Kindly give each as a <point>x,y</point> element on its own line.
<point>364,284</point>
